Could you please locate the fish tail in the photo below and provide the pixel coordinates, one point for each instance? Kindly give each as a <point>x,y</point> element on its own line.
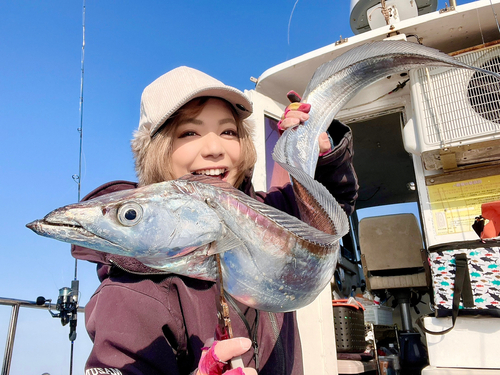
<point>416,54</point>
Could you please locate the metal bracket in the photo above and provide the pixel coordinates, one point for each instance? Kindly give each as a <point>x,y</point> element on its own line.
<point>449,161</point>
<point>341,41</point>
<point>446,9</point>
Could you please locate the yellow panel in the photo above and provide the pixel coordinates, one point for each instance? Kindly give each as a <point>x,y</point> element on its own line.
<point>454,205</point>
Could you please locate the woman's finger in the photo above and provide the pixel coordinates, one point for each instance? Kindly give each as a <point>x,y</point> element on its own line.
<point>293,119</point>
<point>227,349</point>
<point>298,111</point>
<point>240,371</point>
<point>324,144</point>
<point>215,358</point>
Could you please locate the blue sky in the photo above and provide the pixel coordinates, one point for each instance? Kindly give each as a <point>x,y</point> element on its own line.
<point>128,45</point>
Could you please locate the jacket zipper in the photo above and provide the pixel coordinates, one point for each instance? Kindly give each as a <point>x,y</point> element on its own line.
<point>279,344</point>
<point>254,341</point>
<point>251,336</point>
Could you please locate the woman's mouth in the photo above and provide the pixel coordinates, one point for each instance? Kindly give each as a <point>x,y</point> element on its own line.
<point>220,173</point>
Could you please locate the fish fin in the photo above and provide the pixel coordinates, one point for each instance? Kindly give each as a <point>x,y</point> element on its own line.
<point>280,218</point>
<point>228,241</point>
<point>292,224</point>
<point>319,196</point>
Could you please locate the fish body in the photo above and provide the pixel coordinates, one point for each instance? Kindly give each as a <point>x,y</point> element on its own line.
<point>331,87</point>
<point>336,82</point>
<point>270,260</point>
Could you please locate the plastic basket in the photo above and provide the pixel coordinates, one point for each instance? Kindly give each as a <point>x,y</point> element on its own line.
<point>349,326</point>
<point>378,315</point>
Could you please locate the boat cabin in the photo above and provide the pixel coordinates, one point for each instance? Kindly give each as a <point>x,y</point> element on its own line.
<point>427,156</point>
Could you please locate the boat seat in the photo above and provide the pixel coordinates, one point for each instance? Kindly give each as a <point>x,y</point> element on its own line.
<point>392,253</point>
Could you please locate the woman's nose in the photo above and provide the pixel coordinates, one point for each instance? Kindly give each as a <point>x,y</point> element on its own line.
<point>212,146</point>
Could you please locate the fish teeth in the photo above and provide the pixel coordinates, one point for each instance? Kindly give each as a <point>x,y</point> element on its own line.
<point>211,172</point>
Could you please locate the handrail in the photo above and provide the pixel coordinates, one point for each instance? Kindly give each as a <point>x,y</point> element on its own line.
<point>32,304</point>
<point>16,304</point>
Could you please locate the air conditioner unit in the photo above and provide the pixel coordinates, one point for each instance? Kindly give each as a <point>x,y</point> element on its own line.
<point>457,110</point>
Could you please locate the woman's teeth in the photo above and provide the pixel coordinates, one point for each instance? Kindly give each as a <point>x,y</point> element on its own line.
<point>210,172</point>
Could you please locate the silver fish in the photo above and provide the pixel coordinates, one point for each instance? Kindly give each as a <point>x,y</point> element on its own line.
<point>339,80</point>
<point>270,260</point>
<point>331,87</point>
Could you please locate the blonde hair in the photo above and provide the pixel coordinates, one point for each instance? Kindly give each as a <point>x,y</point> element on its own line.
<point>153,154</point>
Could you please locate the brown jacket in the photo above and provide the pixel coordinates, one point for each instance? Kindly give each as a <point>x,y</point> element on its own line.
<point>144,322</point>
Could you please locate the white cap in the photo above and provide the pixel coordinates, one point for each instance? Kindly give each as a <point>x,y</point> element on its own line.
<point>175,88</point>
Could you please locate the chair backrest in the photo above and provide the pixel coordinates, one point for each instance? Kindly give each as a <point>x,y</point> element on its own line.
<point>390,242</point>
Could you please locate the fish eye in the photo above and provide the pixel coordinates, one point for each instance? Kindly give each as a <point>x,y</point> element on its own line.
<point>129,214</point>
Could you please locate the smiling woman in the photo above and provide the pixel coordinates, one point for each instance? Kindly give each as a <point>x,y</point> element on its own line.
<point>207,142</point>
<point>158,321</point>
<point>206,117</point>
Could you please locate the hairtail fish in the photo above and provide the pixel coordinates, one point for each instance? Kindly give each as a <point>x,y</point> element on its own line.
<point>269,260</point>
<point>336,82</point>
<point>333,84</point>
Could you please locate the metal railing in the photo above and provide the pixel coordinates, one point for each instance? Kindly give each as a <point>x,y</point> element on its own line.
<point>16,304</point>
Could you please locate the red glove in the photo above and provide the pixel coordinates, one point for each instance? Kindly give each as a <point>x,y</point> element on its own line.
<point>214,359</point>
<point>295,105</point>
<point>325,141</point>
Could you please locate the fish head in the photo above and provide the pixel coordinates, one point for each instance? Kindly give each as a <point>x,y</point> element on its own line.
<point>144,222</point>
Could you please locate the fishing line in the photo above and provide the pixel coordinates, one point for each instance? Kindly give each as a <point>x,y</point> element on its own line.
<point>290,21</point>
<point>480,28</point>
<point>495,14</point>
<point>270,134</point>
<point>399,86</point>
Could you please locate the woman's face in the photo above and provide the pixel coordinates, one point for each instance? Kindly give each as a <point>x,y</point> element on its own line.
<point>207,144</point>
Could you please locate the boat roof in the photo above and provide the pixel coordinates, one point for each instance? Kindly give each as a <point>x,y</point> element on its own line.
<point>468,25</point>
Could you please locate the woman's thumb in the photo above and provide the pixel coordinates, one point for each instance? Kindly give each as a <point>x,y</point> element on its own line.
<point>227,349</point>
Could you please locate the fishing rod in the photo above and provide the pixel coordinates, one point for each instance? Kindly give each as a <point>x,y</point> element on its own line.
<point>75,283</point>
<point>67,301</point>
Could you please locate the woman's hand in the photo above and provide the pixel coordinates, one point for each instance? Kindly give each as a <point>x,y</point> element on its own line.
<point>215,358</point>
<point>298,113</point>
<point>295,114</point>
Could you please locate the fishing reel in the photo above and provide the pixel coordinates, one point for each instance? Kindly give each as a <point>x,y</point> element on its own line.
<point>67,307</point>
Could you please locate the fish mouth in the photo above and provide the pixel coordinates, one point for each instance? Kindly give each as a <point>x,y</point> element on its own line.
<point>55,225</point>
<point>47,228</point>
<point>220,173</point>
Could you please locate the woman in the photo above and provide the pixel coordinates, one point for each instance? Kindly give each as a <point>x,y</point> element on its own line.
<point>144,322</point>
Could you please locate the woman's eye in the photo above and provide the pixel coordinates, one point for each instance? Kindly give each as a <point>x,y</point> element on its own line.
<point>187,134</point>
<point>232,133</point>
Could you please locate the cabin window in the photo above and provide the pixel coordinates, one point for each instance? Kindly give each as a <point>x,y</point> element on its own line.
<point>275,175</point>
